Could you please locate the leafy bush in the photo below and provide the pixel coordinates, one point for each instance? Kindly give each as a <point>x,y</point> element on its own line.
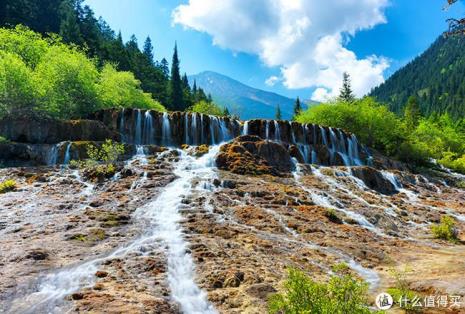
<point>102,160</point>
<point>401,290</point>
<point>342,294</point>
<point>446,230</point>
<point>3,140</point>
<point>122,90</point>
<point>206,107</point>
<point>7,186</point>
<point>60,79</point>
<point>331,214</point>
<point>373,123</point>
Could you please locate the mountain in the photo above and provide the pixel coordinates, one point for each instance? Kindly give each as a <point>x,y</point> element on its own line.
<point>436,77</point>
<point>243,100</point>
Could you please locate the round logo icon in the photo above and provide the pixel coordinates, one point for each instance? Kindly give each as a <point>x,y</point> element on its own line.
<point>384,301</point>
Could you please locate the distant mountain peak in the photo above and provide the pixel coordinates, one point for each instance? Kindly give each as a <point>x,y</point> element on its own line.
<point>241,99</point>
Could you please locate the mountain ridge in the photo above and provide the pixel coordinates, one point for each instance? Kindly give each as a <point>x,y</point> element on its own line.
<point>241,99</point>
<point>435,77</point>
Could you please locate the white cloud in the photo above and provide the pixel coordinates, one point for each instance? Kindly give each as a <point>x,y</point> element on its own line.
<point>305,38</point>
<point>272,80</point>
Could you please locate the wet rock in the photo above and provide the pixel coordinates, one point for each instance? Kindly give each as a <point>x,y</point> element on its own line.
<point>101,274</point>
<point>252,155</point>
<point>261,291</point>
<point>38,255</point>
<point>374,180</point>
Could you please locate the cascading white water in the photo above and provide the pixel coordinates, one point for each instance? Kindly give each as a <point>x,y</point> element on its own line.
<point>121,127</point>
<point>224,131</point>
<point>148,134</point>
<point>277,131</point>
<point>202,136</point>
<point>138,130</point>
<point>52,156</point>
<point>186,128</point>
<point>245,129</point>
<point>166,130</point>
<point>164,217</point>
<point>391,177</point>
<point>194,129</point>
<point>67,157</point>
<point>323,136</point>
<point>267,129</point>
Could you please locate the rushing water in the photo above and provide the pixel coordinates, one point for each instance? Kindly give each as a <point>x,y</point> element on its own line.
<point>163,217</point>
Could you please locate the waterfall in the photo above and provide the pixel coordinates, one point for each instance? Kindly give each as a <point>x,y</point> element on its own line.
<point>186,128</point>
<point>245,129</point>
<point>323,136</point>
<point>225,135</point>
<point>202,137</point>
<point>194,128</point>
<point>67,154</point>
<point>121,127</point>
<point>148,136</point>
<point>314,157</point>
<point>352,150</point>
<point>292,133</point>
<point>166,130</point>
<point>277,132</point>
<point>52,156</point>
<point>138,130</point>
<point>267,129</point>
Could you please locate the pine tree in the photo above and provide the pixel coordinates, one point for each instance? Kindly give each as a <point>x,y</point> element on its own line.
<point>69,27</point>
<point>346,93</point>
<point>165,68</point>
<point>148,50</point>
<point>226,112</point>
<point>412,113</point>
<point>185,82</point>
<point>297,108</point>
<point>278,113</point>
<point>176,89</point>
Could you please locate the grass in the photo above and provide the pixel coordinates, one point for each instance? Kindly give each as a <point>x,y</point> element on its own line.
<point>7,186</point>
<point>3,140</point>
<point>445,230</point>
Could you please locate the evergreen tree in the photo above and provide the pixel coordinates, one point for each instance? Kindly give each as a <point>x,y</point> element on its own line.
<point>412,113</point>
<point>226,112</point>
<point>297,108</point>
<point>148,50</point>
<point>165,68</point>
<point>185,82</point>
<point>69,27</point>
<point>278,113</point>
<point>176,88</point>
<point>346,93</point>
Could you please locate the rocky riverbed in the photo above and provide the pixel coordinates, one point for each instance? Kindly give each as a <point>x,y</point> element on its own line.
<point>70,244</point>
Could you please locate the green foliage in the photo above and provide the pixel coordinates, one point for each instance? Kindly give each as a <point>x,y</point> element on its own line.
<point>122,90</point>
<point>3,140</point>
<point>297,108</point>
<point>331,214</point>
<point>207,108</point>
<point>278,113</point>
<point>373,123</point>
<point>7,186</point>
<point>16,85</point>
<point>66,81</point>
<point>60,79</point>
<point>401,289</point>
<point>342,294</point>
<point>108,153</point>
<point>435,78</point>
<point>346,94</point>
<point>177,101</point>
<point>412,113</point>
<point>446,230</point>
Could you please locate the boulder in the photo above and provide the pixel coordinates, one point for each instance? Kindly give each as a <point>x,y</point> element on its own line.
<point>374,179</point>
<point>253,155</point>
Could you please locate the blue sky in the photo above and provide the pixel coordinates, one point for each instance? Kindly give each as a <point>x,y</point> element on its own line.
<point>398,31</point>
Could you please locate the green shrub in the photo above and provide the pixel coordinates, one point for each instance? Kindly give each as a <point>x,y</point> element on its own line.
<point>3,140</point>
<point>445,230</point>
<point>109,152</point>
<point>401,291</point>
<point>122,90</point>
<point>331,214</point>
<point>342,294</point>
<point>7,186</point>
<point>209,108</point>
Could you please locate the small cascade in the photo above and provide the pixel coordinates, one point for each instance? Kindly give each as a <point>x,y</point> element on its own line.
<point>202,128</point>
<point>245,129</point>
<point>186,129</point>
<point>52,156</point>
<point>194,129</point>
<point>391,177</point>
<point>148,134</point>
<point>138,130</point>
<point>224,131</point>
<point>267,129</point>
<point>122,131</point>
<point>277,131</point>
<point>67,157</point>
<point>166,130</point>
